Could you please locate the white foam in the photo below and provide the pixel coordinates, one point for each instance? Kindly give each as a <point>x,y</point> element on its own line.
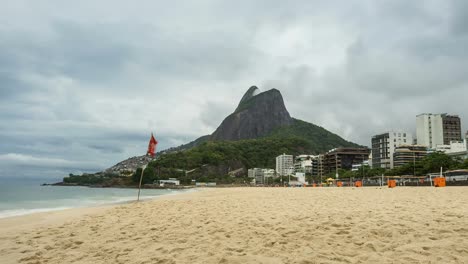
<point>80,203</point>
<point>19,212</point>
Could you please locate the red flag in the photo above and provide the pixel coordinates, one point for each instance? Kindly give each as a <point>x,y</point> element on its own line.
<point>152,146</point>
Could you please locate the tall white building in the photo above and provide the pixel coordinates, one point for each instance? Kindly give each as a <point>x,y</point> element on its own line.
<point>284,165</point>
<point>384,145</point>
<point>429,130</point>
<point>437,129</point>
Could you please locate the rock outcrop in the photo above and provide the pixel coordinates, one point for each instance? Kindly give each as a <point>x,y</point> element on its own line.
<point>253,90</point>
<point>257,115</point>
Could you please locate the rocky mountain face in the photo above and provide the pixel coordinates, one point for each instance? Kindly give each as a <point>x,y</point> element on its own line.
<point>257,115</point>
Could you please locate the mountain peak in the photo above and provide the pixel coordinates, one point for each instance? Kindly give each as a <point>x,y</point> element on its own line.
<point>257,115</point>
<point>251,92</point>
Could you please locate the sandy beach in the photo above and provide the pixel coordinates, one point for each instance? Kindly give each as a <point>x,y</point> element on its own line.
<point>252,225</point>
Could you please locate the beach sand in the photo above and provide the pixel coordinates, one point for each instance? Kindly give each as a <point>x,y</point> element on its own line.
<point>252,225</point>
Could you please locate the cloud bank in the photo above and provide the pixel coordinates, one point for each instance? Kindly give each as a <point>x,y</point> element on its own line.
<point>82,85</point>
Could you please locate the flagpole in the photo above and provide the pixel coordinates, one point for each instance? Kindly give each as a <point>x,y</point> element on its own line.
<point>141,178</point>
<point>151,151</point>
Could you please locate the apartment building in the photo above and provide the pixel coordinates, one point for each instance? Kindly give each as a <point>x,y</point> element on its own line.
<point>284,165</point>
<point>406,154</point>
<point>437,129</point>
<point>344,158</point>
<point>384,145</point>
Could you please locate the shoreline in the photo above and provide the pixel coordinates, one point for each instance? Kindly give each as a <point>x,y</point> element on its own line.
<point>19,223</point>
<point>20,212</point>
<point>146,187</point>
<point>179,191</point>
<point>35,211</point>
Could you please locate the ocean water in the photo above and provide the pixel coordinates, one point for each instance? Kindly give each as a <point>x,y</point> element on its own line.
<point>21,197</point>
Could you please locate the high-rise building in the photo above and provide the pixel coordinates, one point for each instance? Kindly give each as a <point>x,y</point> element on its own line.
<point>437,129</point>
<point>284,165</point>
<point>451,128</point>
<point>405,154</point>
<point>383,147</point>
<point>344,158</point>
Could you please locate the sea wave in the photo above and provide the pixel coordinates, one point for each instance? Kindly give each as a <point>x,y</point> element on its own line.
<point>69,203</point>
<point>22,211</point>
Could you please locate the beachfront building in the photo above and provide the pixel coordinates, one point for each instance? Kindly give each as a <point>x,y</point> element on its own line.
<point>317,165</point>
<point>261,176</point>
<point>344,158</point>
<point>384,145</point>
<point>303,163</point>
<point>409,154</point>
<point>284,165</point>
<point>437,129</point>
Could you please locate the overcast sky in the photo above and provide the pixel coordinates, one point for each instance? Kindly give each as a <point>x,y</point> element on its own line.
<point>84,83</point>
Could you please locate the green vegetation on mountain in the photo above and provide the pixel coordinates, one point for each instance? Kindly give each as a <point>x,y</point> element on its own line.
<point>251,153</point>
<point>214,159</point>
<point>299,138</point>
<point>319,139</point>
<point>97,179</point>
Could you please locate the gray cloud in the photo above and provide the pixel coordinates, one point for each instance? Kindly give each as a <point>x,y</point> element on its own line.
<point>82,85</point>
